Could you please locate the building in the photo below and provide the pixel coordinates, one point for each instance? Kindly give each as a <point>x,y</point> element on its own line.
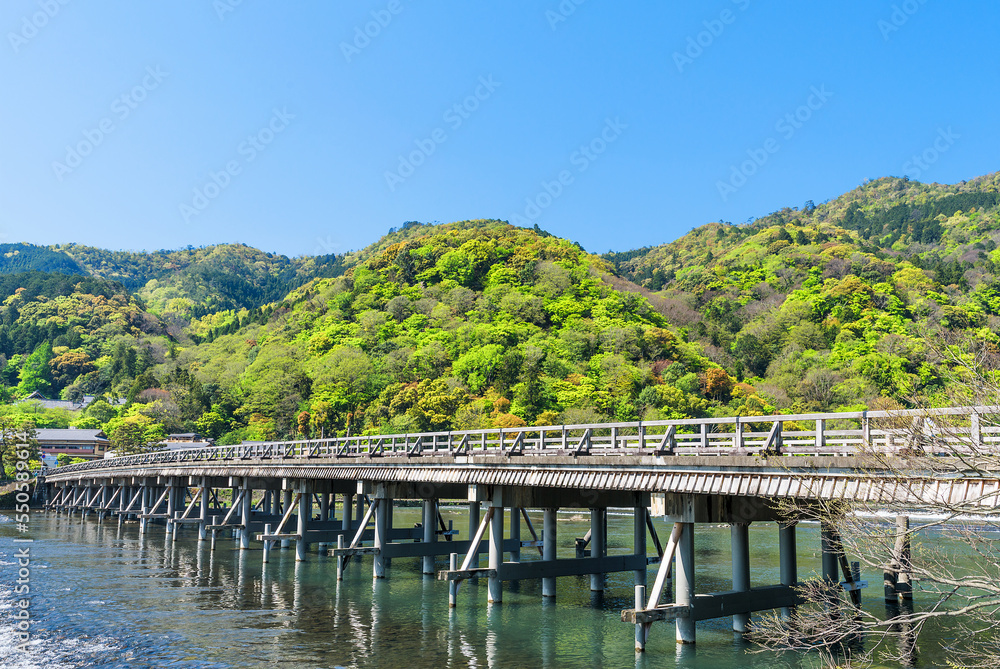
<point>75,442</point>
<point>44,402</point>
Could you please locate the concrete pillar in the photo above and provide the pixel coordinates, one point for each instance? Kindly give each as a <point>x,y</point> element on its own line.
<point>145,508</point>
<point>203,510</point>
<point>684,578</point>
<point>831,562</point>
<point>245,514</point>
<point>348,502</point>
<point>549,549</point>
<point>515,533</point>
<point>286,503</point>
<point>172,491</point>
<point>275,503</point>
<point>495,586</point>
<point>324,513</point>
<point>381,529</point>
<point>598,544</point>
<point>473,528</point>
<point>430,508</point>
<point>788,562</point>
<point>639,541</point>
<point>902,549</point>
<point>305,512</point>
<point>740,540</point>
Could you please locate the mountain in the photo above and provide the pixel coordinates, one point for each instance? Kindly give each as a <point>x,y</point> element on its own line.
<point>855,302</point>
<point>837,303</point>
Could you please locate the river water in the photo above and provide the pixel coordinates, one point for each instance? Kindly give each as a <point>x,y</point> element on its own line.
<point>104,596</point>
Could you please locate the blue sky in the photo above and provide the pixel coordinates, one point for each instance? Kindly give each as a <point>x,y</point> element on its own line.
<point>314,127</point>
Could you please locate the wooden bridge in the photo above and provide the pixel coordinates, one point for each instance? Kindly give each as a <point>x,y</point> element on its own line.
<point>723,470</point>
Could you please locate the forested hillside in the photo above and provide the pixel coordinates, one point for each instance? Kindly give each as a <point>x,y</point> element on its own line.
<point>479,323</point>
<point>837,303</point>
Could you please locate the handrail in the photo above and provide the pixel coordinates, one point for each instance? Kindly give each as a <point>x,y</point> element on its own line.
<point>622,438</point>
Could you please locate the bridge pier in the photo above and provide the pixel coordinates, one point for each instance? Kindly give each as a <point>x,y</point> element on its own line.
<point>382,503</point>
<point>740,542</point>
<point>286,504</point>
<point>684,582</point>
<point>494,586</point>
<point>245,514</point>
<point>305,514</point>
<point>203,509</point>
<point>788,563</point>
<point>549,535</point>
<point>429,525</point>
<point>598,544</point>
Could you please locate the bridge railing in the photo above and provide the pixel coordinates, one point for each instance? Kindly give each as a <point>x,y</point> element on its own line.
<point>933,431</point>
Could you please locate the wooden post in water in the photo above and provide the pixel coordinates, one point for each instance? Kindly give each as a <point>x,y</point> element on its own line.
<point>305,512</point>
<point>381,528</point>
<point>639,540</point>
<point>902,549</point>
<point>245,514</point>
<point>203,509</point>
<point>453,585</point>
<point>515,533</point>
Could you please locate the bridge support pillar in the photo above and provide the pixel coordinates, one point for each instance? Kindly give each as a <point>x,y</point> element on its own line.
<point>245,513</point>
<point>598,544</point>
<point>495,586</point>
<point>305,513</point>
<point>430,514</point>
<point>286,503</point>
<point>146,494</point>
<point>515,533</point>
<point>740,538</point>
<point>787,559</point>
<point>473,526</point>
<point>639,540</point>
<point>381,529</point>
<point>549,549</point>
<point>203,510</point>
<point>831,555</point>
<point>348,504</point>
<point>685,582</point>
<point>171,503</point>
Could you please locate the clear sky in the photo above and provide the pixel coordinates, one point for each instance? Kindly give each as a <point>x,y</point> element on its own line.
<point>313,127</point>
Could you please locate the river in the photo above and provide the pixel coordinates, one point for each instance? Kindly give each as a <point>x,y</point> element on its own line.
<point>104,596</point>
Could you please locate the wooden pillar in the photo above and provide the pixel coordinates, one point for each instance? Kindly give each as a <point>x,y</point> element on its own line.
<point>740,539</point>
<point>685,582</point>
<point>639,540</point>
<point>430,512</point>
<point>381,529</point>
<point>788,563</point>
<point>324,513</point>
<point>305,512</point>
<point>598,544</point>
<point>495,587</point>
<point>549,549</point>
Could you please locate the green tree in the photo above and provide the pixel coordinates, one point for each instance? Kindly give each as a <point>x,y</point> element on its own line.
<point>18,443</point>
<point>134,434</point>
<point>36,374</point>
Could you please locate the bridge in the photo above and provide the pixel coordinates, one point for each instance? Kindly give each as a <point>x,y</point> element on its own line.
<point>338,494</point>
